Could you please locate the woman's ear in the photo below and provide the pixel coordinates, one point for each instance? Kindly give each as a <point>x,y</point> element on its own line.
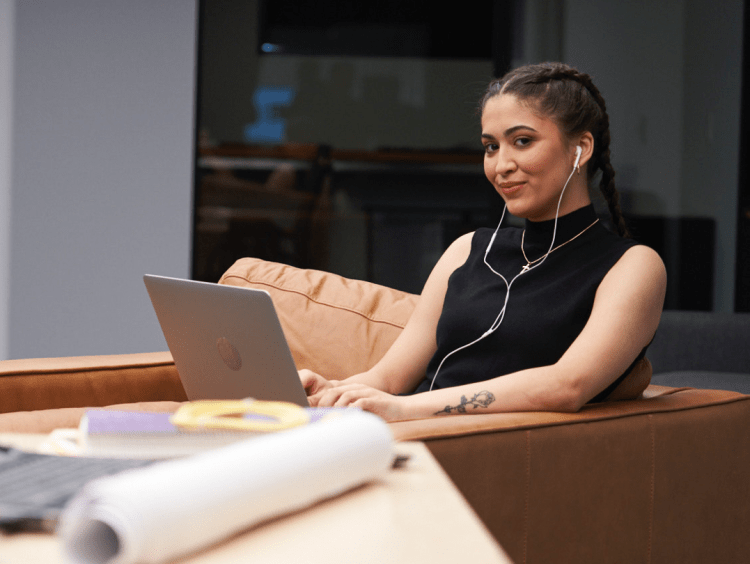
<point>586,143</point>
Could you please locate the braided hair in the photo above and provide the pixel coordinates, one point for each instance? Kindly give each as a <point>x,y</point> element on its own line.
<point>570,99</point>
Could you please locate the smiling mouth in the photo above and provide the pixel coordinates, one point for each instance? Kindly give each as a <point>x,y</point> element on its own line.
<point>509,187</point>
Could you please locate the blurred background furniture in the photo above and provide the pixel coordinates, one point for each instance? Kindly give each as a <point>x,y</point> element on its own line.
<point>702,350</point>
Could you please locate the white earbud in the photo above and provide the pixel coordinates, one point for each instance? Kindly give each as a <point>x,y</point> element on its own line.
<point>578,156</point>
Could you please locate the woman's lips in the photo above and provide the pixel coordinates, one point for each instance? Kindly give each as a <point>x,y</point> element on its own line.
<point>510,187</point>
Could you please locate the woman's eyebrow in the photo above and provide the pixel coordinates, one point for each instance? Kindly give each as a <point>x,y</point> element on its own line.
<point>510,131</point>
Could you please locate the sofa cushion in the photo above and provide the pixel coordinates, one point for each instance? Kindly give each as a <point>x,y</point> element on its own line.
<point>335,326</point>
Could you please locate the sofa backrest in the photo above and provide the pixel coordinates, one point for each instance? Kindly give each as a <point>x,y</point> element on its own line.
<point>338,327</point>
<point>335,326</point>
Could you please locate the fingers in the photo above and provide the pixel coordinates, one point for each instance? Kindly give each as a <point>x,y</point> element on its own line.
<point>307,377</point>
<point>334,393</point>
<point>316,387</point>
<point>334,396</point>
<point>312,382</point>
<point>344,395</point>
<point>360,396</point>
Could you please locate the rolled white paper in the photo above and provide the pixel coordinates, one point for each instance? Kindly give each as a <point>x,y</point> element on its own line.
<point>157,513</point>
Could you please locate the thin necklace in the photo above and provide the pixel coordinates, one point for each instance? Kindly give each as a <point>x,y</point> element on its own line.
<point>530,262</point>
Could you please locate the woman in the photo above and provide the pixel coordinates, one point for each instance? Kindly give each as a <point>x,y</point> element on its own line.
<point>545,317</point>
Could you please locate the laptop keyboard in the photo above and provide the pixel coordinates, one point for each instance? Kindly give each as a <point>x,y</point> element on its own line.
<point>34,488</point>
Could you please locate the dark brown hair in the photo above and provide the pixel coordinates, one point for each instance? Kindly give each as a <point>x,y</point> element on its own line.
<point>569,98</point>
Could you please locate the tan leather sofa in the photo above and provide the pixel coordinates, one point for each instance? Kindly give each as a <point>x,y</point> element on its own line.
<point>661,477</point>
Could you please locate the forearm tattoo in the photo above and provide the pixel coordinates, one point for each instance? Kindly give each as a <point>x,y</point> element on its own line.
<point>481,399</point>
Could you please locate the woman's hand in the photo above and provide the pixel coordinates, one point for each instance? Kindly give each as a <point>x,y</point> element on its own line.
<point>335,393</point>
<point>314,383</point>
<point>387,406</point>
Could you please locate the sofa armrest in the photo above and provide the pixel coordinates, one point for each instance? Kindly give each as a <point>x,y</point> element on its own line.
<point>89,381</point>
<point>661,479</point>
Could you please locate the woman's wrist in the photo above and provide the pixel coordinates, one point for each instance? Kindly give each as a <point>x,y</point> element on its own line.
<point>370,378</point>
<point>450,401</point>
<point>416,406</point>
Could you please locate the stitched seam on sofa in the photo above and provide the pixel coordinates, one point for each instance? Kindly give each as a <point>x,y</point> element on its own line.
<point>653,482</point>
<point>48,371</point>
<point>327,304</point>
<point>671,390</point>
<point>527,495</point>
<point>425,436</point>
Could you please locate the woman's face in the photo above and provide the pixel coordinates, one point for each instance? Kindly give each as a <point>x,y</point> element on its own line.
<point>527,159</point>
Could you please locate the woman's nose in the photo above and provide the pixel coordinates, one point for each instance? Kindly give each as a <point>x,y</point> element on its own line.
<point>505,163</point>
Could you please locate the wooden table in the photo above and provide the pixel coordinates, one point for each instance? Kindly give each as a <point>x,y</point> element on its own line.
<point>415,514</point>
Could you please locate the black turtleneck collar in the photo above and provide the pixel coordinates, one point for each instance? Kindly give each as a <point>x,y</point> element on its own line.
<point>568,226</point>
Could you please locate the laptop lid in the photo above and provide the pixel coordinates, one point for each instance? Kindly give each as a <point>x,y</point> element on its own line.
<point>227,342</point>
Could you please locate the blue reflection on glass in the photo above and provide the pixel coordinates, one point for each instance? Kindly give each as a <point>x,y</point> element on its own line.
<point>269,127</point>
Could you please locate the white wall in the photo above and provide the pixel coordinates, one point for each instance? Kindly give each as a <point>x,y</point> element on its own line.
<point>7,8</point>
<point>102,141</point>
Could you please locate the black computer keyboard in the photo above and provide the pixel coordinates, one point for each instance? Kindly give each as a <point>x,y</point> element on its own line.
<point>34,488</point>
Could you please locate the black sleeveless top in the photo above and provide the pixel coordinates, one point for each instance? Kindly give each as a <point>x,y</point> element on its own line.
<point>547,307</point>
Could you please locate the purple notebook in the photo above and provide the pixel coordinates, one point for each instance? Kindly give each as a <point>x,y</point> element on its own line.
<point>106,421</point>
<point>147,434</point>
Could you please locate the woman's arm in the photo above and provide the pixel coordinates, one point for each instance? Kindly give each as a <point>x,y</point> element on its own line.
<point>626,313</point>
<point>405,362</point>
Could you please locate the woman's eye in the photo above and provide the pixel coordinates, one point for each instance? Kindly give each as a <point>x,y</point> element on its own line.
<point>522,141</point>
<point>490,147</point>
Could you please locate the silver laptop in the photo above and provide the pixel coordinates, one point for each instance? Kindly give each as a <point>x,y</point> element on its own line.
<point>227,342</point>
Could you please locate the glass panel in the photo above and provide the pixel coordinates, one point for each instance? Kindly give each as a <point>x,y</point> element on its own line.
<point>327,161</point>
<point>369,166</point>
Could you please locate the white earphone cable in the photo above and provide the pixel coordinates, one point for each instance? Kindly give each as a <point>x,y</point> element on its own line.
<point>499,319</point>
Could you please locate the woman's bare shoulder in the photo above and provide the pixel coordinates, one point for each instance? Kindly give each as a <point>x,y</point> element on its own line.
<point>460,249</point>
<point>638,281</point>
<point>642,261</point>
<point>454,256</point>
